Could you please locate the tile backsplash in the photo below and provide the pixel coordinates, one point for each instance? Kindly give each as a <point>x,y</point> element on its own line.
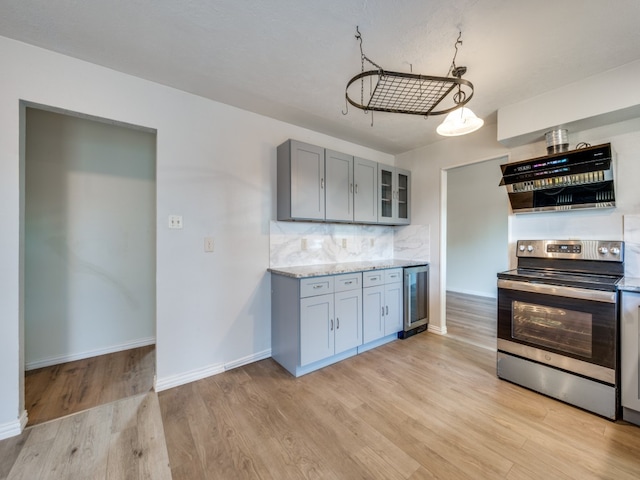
<point>632,246</point>
<point>297,243</point>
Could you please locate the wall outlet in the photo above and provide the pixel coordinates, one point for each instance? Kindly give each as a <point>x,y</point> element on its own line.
<point>303,244</point>
<point>208,244</point>
<point>344,243</point>
<point>175,221</point>
<point>372,242</point>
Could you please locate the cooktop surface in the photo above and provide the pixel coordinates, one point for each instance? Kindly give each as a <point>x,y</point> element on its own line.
<point>569,279</point>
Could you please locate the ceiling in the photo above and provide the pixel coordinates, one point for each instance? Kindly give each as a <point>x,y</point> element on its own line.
<point>291,59</point>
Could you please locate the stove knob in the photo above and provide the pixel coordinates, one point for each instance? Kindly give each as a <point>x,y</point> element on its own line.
<point>529,248</point>
<point>521,248</point>
<point>615,251</point>
<point>603,250</point>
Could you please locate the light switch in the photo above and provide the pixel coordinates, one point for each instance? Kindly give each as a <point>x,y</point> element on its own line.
<point>175,221</point>
<point>344,243</point>
<point>208,244</point>
<point>303,244</point>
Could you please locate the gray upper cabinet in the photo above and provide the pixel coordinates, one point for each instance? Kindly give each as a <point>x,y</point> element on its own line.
<point>394,194</point>
<point>365,190</point>
<point>339,187</point>
<point>318,184</point>
<point>301,181</point>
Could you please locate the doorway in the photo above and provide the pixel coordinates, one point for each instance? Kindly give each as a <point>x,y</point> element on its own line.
<point>476,248</point>
<point>90,256</point>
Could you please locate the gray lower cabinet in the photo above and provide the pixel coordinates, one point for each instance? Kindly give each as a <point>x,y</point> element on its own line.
<point>315,321</point>
<point>382,304</point>
<point>630,356</point>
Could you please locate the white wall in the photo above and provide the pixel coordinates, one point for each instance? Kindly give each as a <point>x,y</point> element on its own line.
<point>89,238</point>
<point>215,167</point>
<point>477,228</point>
<point>427,165</point>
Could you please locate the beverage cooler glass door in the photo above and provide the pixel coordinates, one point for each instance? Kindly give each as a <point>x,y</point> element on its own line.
<point>416,297</point>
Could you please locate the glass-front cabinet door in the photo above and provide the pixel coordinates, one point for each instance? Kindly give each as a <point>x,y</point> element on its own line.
<point>394,195</point>
<point>403,182</point>
<point>385,194</point>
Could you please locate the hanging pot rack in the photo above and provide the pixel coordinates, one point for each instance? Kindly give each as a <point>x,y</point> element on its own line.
<point>398,92</point>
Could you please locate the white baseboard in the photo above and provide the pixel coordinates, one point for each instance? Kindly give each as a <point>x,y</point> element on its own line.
<point>474,293</point>
<point>248,359</point>
<point>437,330</point>
<point>181,378</point>
<point>204,372</point>
<point>11,429</point>
<point>47,362</point>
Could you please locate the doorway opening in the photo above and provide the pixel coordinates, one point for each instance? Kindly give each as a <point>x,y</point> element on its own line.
<point>89,262</point>
<point>475,240</point>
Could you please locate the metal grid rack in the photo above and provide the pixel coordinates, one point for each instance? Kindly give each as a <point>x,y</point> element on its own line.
<point>410,93</point>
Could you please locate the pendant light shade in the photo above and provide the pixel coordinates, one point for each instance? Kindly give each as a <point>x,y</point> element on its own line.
<point>459,122</point>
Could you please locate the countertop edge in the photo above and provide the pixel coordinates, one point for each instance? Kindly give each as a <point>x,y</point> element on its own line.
<point>629,284</point>
<point>320,270</point>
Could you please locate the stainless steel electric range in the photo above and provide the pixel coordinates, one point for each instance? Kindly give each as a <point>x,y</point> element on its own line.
<point>558,321</point>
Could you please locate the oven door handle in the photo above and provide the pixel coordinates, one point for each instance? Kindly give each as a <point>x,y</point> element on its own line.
<point>559,291</point>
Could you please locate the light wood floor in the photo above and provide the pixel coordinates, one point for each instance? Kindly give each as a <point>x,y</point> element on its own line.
<point>426,407</point>
<point>120,440</point>
<point>472,319</point>
<point>59,390</point>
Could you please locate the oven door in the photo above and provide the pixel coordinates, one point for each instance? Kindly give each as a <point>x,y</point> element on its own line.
<point>573,329</point>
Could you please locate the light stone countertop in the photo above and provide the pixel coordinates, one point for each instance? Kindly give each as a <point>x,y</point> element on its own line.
<point>629,284</point>
<point>338,268</point>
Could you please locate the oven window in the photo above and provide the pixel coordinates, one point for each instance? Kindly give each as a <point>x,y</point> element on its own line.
<point>563,330</point>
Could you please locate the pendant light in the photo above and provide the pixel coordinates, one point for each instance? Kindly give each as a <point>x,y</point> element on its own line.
<point>459,122</point>
<point>462,120</point>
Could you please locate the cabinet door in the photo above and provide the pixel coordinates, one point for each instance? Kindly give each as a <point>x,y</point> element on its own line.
<point>393,308</point>
<point>348,331</point>
<point>339,186</point>
<point>316,328</point>
<point>402,196</point>
<point>307,181</point>
<point>630,351</point>
<point>385,193</point>
<point>372,313</point>
<point>365,190</point>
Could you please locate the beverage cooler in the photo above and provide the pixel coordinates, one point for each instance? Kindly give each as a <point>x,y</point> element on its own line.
<point>416,300</point>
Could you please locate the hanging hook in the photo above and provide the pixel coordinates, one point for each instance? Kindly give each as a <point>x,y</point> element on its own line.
<point>346,104</point>
<point>455,45</point>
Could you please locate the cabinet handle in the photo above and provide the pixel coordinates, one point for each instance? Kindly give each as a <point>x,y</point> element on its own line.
<point>322,183</point>
<point>337,323</point>
<point>331,329</point>
<point>351,187</point>
<point>373,278</point>
<point>383,310</point>
<point>317,286</point>
<point>356,188</point>
<point>387,312</point>
<point>349,282</point>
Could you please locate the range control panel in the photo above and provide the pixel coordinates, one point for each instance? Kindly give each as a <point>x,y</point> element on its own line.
<point>600,250</point>
<point>564,248</point>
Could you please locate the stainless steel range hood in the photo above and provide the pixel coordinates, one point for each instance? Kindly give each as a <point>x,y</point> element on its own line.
<point>581,178</point>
